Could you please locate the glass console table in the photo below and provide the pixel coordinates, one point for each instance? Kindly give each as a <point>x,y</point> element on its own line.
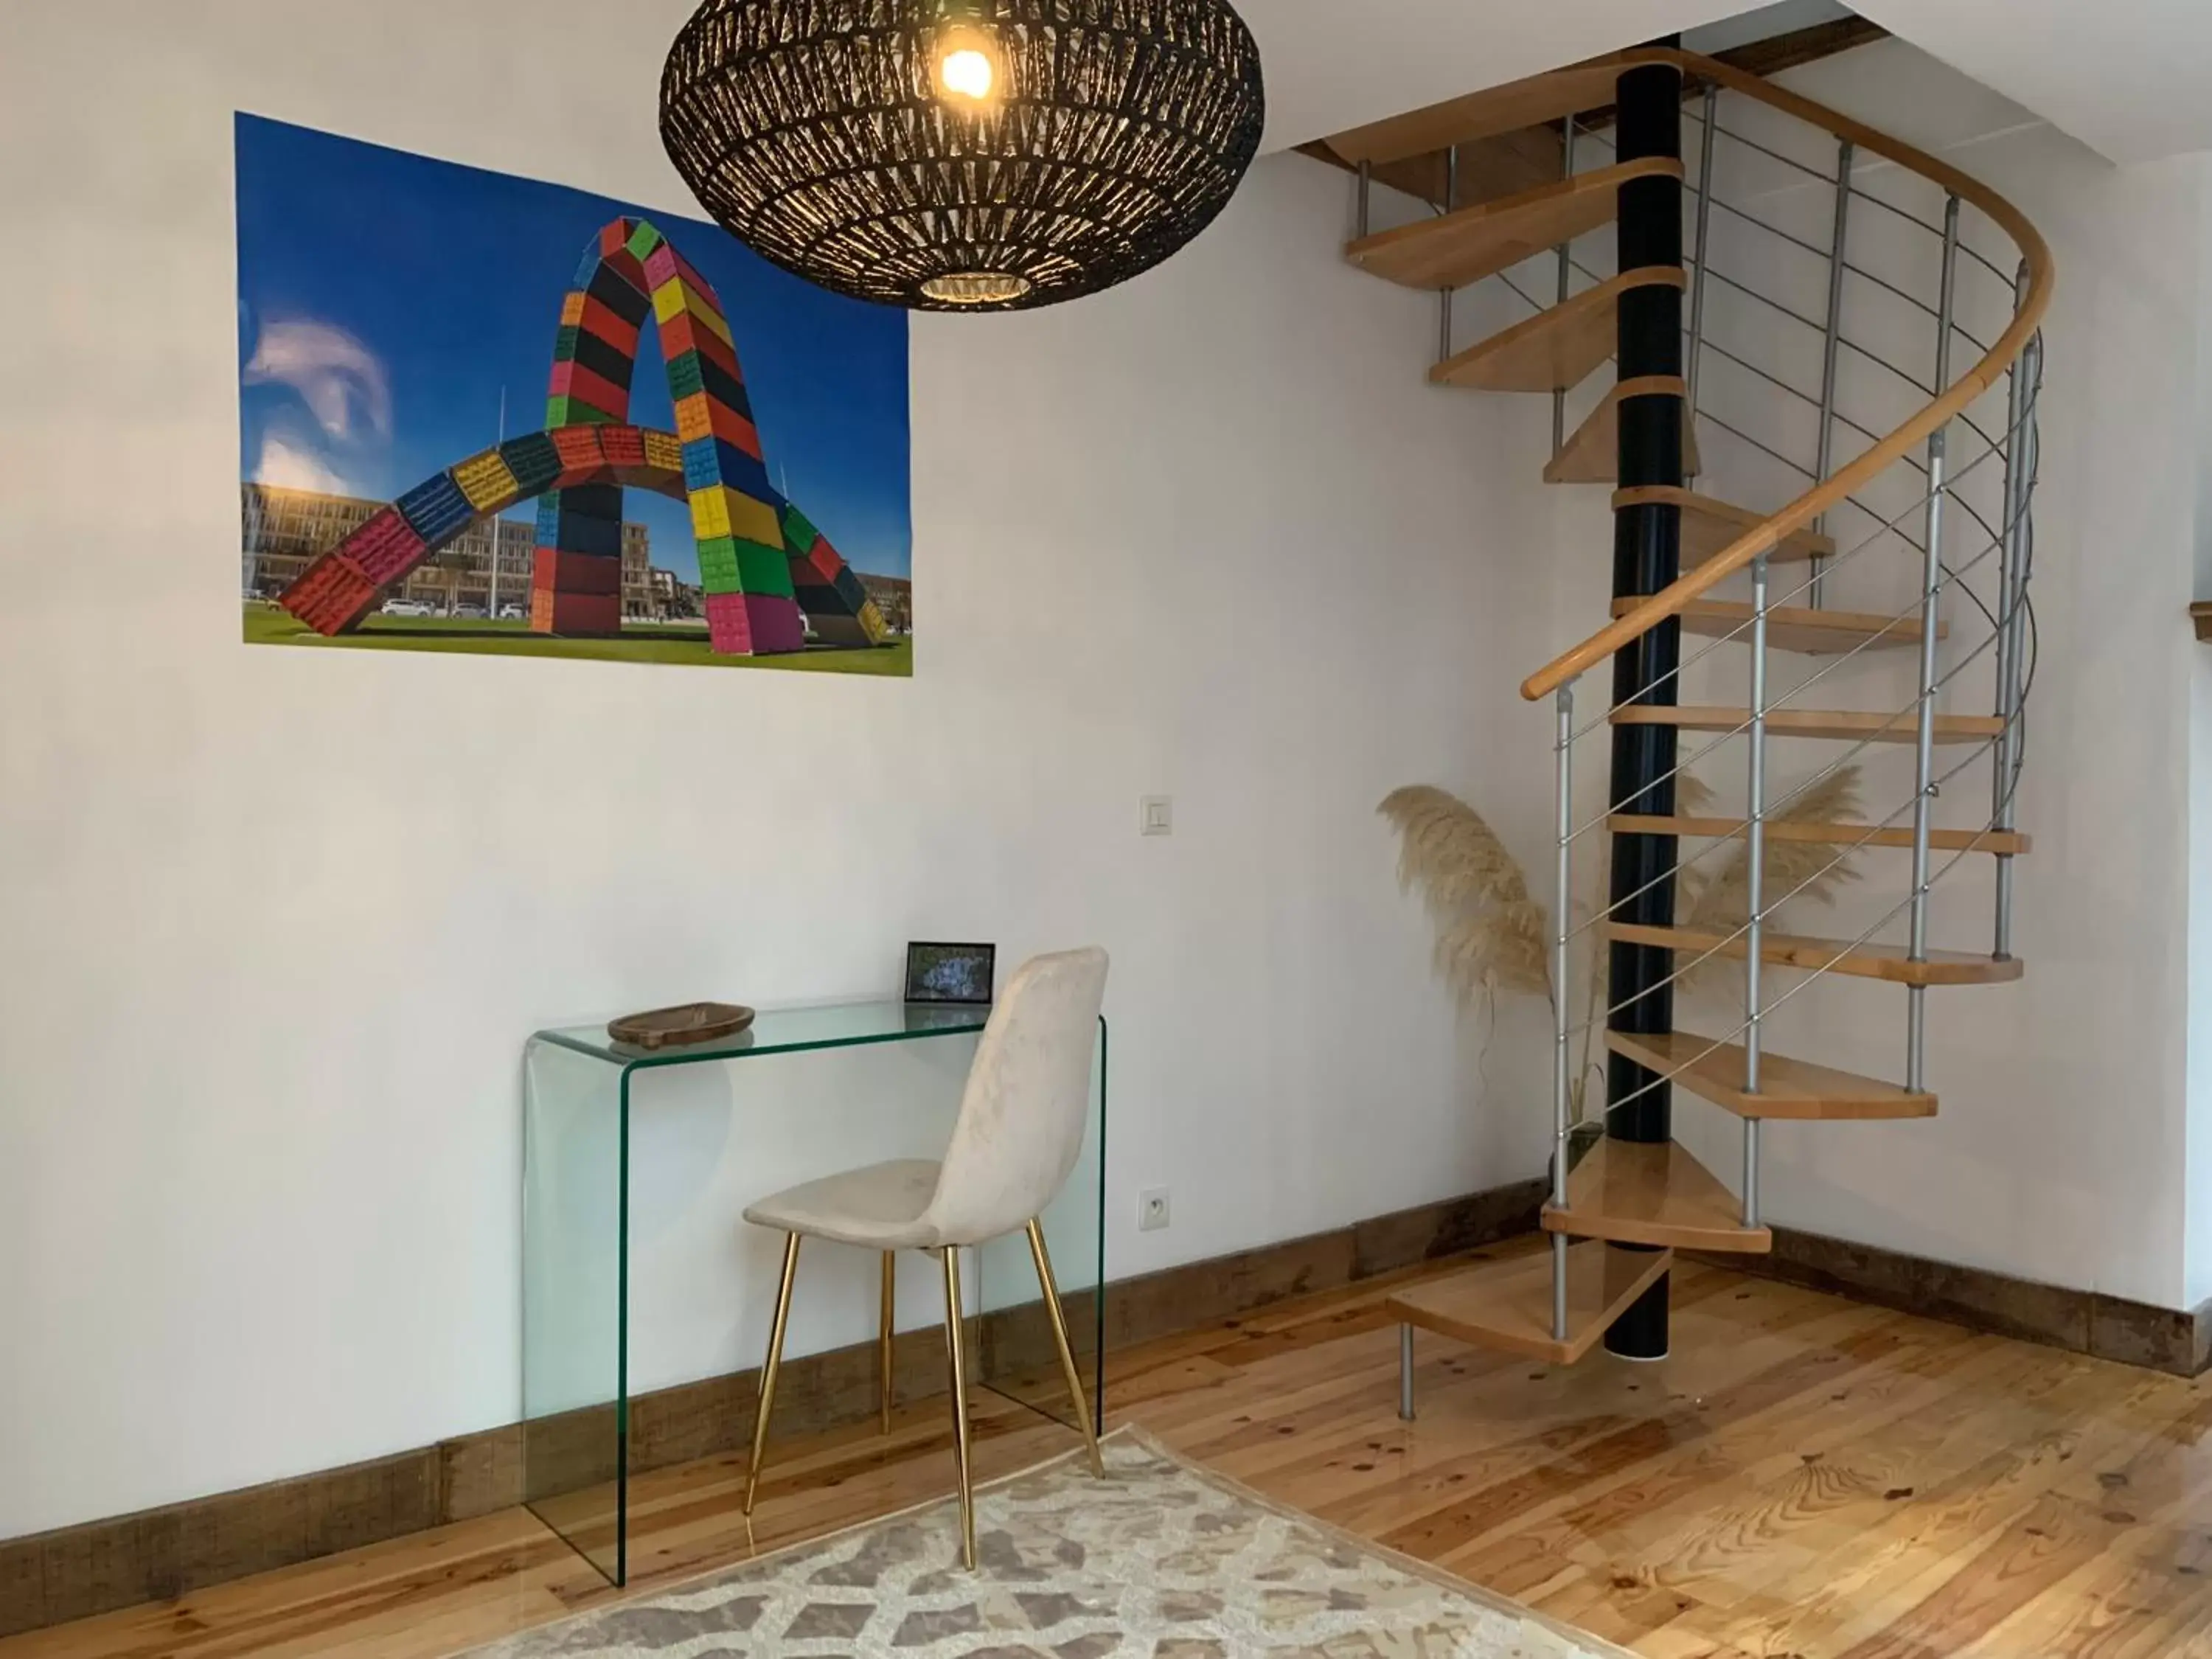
<point>589,1108</point>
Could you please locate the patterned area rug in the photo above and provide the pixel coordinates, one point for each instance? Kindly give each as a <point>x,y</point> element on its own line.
<point>1161,1560</point>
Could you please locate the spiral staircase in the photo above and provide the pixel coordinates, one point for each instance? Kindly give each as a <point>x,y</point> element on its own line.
<point>1818,287</point>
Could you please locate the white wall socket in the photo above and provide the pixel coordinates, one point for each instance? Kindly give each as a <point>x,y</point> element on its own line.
<point>1156,815</point>
<point>1151,1209</point>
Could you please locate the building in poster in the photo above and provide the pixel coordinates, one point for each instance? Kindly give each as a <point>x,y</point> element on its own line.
<point>284,531</point>
<point>894,597</point>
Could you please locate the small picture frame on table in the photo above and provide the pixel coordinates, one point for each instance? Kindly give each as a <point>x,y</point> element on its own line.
<point>950,973</point>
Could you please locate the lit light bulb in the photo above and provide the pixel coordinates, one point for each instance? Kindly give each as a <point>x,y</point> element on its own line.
<point>967,66</point>
<point>968,72</point>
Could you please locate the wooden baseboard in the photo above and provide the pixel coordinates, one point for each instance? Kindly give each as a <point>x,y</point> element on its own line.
<point>50,1578</point>
<point>2084,1321</point>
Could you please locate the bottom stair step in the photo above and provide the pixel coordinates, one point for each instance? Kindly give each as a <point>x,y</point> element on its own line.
<point>1508,1304</point>
<point>1653,1192</point>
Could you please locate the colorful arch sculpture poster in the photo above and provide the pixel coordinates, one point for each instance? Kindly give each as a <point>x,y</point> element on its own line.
<point>480,413</point>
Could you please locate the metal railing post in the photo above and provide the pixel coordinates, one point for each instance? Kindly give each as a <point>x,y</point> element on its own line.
<point>1366,190</point>
<point>1405,1373</point>
<point>1755,874</point>
<point>1816,592</point>
<point>1931,593</point>
<point>1562,929</point>
<point>1703,236</point>
<point>1566,266</point>
<point>2019,416</point>
<point>1444,301</point>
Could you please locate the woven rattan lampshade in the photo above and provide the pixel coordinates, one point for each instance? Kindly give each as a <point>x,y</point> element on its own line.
<point>963,154</point>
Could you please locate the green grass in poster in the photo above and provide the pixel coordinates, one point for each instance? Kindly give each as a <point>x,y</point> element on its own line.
<point>266,625</point>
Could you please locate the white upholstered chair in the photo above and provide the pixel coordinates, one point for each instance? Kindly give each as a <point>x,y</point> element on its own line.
<point>1020,1129</point>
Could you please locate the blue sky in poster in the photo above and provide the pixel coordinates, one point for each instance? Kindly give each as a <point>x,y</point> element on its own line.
<point>388,300</point>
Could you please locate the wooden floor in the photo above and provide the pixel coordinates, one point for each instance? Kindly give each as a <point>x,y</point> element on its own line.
<point>1805,1477</point>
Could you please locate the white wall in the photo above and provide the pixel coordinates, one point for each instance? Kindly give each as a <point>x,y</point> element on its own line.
<point>274,924</point>
<point>2197,1270</point>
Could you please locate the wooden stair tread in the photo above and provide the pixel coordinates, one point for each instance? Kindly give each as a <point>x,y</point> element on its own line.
<point>1556,348</point>
<point>1462,248</point>
<point>1591,454</point>
<point>1527,102</point>
<point>1864,961</point>
<point>1508,1304</point>
<point>1711,527</point>
<point>1639,1193</point>
<point>1843,725</point>
<point>1505,164</point>
<point>2008,842</point>
<point>1787,1088</point>
<point>1798,628</point>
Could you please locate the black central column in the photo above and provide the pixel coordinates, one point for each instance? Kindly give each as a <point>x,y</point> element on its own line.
<point>1646,556</point>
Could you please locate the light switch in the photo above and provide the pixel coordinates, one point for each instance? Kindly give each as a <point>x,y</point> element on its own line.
<point>1157,816</point>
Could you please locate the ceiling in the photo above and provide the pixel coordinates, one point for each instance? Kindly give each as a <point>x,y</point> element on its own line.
<point>2128,77</point>
<point>1333,64</point>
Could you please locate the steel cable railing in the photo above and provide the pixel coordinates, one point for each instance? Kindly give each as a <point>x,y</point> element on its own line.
<point>1957,544</point>
<point>2006,634</point>
<point>1952,576</point>
<point>1835,562</point>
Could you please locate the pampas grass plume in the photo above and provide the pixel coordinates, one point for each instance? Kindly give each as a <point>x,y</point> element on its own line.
<point>1794,870</point>
<point>1491,935</point>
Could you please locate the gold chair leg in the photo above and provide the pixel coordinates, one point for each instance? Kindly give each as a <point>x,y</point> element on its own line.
<point>768,1371</point>
<point>1067,1352</point>
<point>955,1345</point>
<point>883,1334</point>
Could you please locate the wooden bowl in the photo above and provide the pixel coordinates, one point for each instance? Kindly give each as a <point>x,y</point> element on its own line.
<point>678,1027</point>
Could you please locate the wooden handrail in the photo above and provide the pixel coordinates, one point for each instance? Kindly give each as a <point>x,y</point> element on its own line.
<point>1828,492</point>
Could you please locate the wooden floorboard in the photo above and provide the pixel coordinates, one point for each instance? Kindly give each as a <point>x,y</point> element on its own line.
<point>1805,1475</point>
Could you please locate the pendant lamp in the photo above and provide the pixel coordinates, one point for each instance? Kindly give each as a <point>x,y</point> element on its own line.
<point>963,154</point>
